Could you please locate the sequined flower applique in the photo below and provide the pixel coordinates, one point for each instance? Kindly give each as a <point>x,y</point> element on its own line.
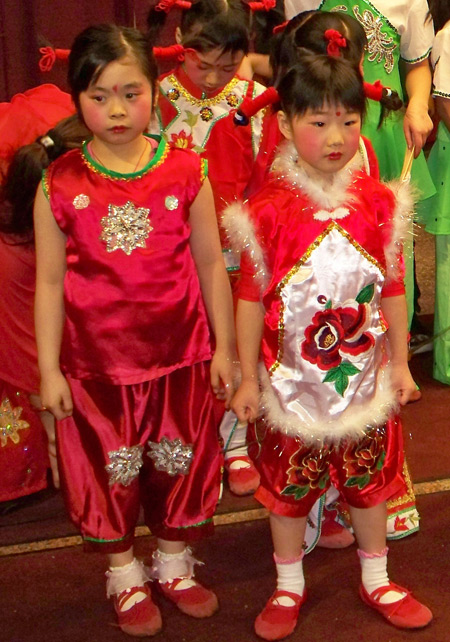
<point>124,464</point>
<point>171,457</point>
<point>10,422</point>
<point>126,227</point>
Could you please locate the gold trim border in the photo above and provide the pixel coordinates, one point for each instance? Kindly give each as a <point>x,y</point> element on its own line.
<point>253,514</point>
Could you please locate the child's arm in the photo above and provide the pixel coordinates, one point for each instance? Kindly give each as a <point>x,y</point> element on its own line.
<point>207,253</point>
<point>395,312</point>
<point>254,63</point>
<point>249,326</point>
<point>49,307</point>
<point>417,123</point>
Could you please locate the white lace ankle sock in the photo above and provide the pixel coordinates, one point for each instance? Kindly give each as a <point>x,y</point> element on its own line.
<point>289,577</point>
<point>374,575</point>
<point>170,566</point>
<point>122,578</point>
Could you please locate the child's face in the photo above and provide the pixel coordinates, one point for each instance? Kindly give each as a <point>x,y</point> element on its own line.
<point>326,139</point>
<point>118,106</point>
<point>212,70</point>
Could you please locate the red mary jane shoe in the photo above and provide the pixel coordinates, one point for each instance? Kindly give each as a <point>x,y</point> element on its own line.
<point>333,534</point>
<point>196,601</point>
<point>141,620</point>
<point>407,613</point>
<point>242,481</point>
<point>276,622</point>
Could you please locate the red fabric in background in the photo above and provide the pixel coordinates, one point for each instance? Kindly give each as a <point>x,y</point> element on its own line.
<point>24,25</point>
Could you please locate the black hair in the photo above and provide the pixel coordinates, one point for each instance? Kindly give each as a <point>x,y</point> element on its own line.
<point>263,24</point>
<point>307,31</point>
<point>95,47</point>
<point>209,24</point>
<point>439,12</point>
<point>317,80</point>
<point>25,172</point>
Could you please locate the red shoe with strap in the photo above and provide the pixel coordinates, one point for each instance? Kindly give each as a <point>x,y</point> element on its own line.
<point>332,533</point>
<point>275,621</point>
<point>196,601</point>
<point>406,613</point>
<point>143,618</point>
<point>242,481</point>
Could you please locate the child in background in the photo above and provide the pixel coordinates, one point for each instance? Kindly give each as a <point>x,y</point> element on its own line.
<point>194,105</point>
<point>322,296</point>
<point>27,431</point>
<point>127,243</point>
<point>438,219</point>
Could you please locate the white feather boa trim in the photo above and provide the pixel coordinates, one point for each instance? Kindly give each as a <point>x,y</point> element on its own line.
<point>350,424</point>
<point>241,233</point>
<point>402,229</point>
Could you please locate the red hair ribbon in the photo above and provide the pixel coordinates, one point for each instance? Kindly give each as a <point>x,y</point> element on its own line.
<point>168,53</point>
<point>49,55</point>
<point>263,5</point>
<point>168,5</point>
<point>281,27</point>
<point>251,106</point>
<point>375,91</point>
<point>335,41</point>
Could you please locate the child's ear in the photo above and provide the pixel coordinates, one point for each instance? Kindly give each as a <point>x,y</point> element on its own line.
<point>178,36</point>
<point>284,125</point>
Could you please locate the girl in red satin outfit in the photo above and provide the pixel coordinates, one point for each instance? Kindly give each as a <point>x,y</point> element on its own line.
<point>130,279</point>
<point>322,298</point>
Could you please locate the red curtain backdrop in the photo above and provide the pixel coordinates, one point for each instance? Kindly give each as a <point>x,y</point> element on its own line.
<point>24,22</point>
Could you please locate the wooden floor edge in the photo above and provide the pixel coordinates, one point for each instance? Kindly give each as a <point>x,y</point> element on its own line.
<point>421,488</point>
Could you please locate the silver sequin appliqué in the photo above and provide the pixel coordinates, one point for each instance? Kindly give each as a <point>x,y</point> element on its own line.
<point>379,44</point>
<point>171,457</point>
<point>126,227</point>
<point>125,464</point>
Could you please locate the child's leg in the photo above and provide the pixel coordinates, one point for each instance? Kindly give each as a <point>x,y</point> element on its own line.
<point>394,602</point>
<point>127,578</point>
<point>279,617</point>
<point>243,478</point>
<point>173,567</point>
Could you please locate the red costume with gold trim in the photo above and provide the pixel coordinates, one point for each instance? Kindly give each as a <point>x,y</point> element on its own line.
<point>136,332</point>
<point>321,258</point>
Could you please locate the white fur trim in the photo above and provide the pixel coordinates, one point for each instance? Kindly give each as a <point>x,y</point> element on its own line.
<point>402,229</point>
<point>241,233</point>
<point>351,424</point>
<point>328,195</point>
<point>324,215</point>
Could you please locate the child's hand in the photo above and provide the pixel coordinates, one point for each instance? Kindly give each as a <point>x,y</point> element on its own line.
<point>55,395</point>
<point>245,403</point>
<point>222,376</point>
<point>403,384</point>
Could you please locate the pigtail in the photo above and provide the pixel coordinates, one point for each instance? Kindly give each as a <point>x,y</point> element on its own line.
<point>24,174</point>
<point>251,106</point>
<point>388,98</point>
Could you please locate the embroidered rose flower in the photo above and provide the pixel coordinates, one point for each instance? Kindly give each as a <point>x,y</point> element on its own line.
<point>182,140</point>
<point>307,471</point>
<point>337,337</point>
<point>363,459</point>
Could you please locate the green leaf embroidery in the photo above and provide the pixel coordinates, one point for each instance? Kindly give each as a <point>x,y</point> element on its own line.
<point>298,491</point>
<point>380,462</point>
<point>366,294</point>
<point>360,481</point>
<point>341,384</point>
<point>329,304</point>
<point>331,375</point>
<point>198,149</point>
<point>348,368</point>
<point>191,119</point>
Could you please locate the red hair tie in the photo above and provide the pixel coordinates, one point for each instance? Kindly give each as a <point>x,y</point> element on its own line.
<point>375,91</point>
<point>168,5</point>
<point>264,5</point>
<point>49,55</point>
<point>335,41</point>
<point>168,53</point>
<point>251,106</point>
<point>280,28</point>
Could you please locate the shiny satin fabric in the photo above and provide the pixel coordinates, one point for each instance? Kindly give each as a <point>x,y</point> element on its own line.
<point>132,313</point>
<point>294,476</point>
<point>107,418</point>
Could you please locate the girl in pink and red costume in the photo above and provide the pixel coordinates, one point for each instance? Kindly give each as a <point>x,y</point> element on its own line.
<point>322,298</point>
<point>130,278</point>
<point>195,110</point>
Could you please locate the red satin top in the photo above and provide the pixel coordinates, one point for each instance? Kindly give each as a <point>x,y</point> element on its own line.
<point>134,309</point>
